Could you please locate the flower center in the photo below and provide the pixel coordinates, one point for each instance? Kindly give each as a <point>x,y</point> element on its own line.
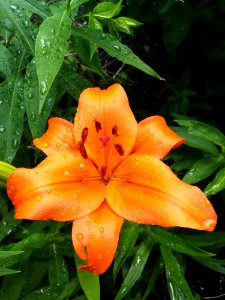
<point>108,144</point>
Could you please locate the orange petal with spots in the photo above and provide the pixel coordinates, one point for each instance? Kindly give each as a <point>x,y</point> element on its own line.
<point>95,238</point>
<point>58,138</point>
<point>144,190</point>
<point>62,187</point>
<point>155,137</point>
<point>105,126</point>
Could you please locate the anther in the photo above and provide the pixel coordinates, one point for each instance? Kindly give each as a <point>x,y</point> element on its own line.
<point>104,140</point>
<point>84,135</point>
<point>98,125</point>
<point>119,149</point>
<point>115,131</point>
<point>82,149</point>
<point>103,170</point>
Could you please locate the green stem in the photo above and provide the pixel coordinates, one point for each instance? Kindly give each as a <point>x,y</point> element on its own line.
<point>5,171</point>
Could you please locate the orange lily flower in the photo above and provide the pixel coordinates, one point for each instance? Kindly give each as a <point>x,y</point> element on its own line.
<point>103,169</point>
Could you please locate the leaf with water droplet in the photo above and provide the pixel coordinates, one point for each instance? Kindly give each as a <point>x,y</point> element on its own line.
<point>135,271</point>
<point>50,47</point>
<point>115,49</point>
<point>11,115</point>
<point>19,18</point>
<point>7,65</point>
<point>37,122</point>
<point>37,7</point>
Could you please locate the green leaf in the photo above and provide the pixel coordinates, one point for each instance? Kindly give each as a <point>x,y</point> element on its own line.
<point>21,22</point>
<point>37,7</point>
<point>11,115</point>
<point>194,141</point>
<point>136,268</point>
<point>88,281</point>
<point>5,271</point>
<point>8,224</point>
<point>210,240</point>
<point>217,185</point>
<point>58,273</point>
<point>204,131</point>
<point>128,237</point>
<point>154,275</point>
<point>37,122</point>
<point>177,22</point>
<point>175,242</point>
<point>6,62</point>
<point>212,263</point>
<point>83,50</point>
<point>50,47</point>
<point>203,168</point>
<point>4,254</point>
<point>174,273</point>
<point>125,24</point>
<point>107,10</point>
<point>72,82</point>
<point>115,49</point>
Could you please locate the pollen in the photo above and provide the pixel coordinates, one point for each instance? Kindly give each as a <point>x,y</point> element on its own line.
<point>82,149</point>
<point>84,135</point>
<point>98,126</point>
<point>115,131</point>
<point>119,149</point>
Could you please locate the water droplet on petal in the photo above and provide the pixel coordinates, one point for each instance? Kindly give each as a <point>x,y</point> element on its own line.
<point>39,198</point>
<point>99,256</point>
<point>68,130</point>
<point>108,250</point>
<point>80,236</point>
<point>101,229</point>
<point>46,145</point>
<point>91,236</point>
<point>66,173</point>
<point>76,119</point>
<point>58,145</point>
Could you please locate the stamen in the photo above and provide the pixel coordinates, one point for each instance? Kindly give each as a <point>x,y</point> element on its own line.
<point>98,126</point>
<point>84,135</point>
<point>115,131</point>
<point>103,171</point>
<point>82,149</point>
<point>104,140</point>
<point>119,149</point>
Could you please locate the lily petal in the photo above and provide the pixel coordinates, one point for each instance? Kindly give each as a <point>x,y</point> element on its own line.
<point>62,187</point>
<point>144,190</point>
<point>105,126</point>
<point>95,238</point>
<point>155,137</point>
<point>58,138</point>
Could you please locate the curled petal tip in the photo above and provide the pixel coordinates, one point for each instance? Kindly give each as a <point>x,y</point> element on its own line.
<point>210,224</point>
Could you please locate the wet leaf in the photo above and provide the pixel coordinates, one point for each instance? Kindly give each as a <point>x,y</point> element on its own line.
<point>136,268</point>
<point>5,271</point>
<point>212,263</point>
<point>21,22</point>
<point>195,141</point>
<point>128,237</point>
<point>37,122</point>
<point>175,242</point>
<point>58,273</point>
<point>11,115</point>
<point>88,281</point>
<point>217,185</point>
<point>203,168</point>
<point>107,10</point>
<point>115,49</point>
<point>50,47</point>
<point>204,131</point>
<point>174,273</point>
<point>37,7</point>
<point>6,62</point>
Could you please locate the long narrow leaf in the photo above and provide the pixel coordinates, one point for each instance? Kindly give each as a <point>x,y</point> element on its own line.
<point>136,268</point>
<point>174,273</point>
<point>22,24</point>
<point>115,49</point>
<point>50,48</point>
